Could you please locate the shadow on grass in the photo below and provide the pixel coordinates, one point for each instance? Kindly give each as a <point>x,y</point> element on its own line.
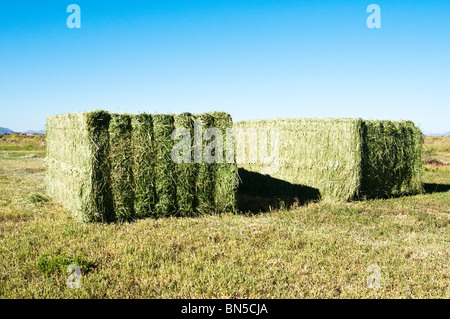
<point>427,189</point>
<point>258,193</point>
<point>436,188</point>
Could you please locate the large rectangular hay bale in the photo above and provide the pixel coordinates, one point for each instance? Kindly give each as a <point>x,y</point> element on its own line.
<point>121,171</point>
<point>227,180</point>
<point>186,170</point>
<point>206,175</point>
<point>165,174</point>
<point>144,165</point>
<point>78,164</point>
<point>332,155</point>
<point>392,158</point>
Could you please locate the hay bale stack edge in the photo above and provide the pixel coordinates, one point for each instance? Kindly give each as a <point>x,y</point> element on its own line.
<point>118,167</point>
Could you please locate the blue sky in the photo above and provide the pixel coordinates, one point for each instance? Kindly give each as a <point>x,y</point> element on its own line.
<point>252,58</point>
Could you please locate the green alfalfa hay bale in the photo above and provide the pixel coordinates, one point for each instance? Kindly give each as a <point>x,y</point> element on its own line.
<point>78,164</point>
<point>121,161</point>
<point>67,174</point>
<point>186,172</point>
<point>324,154</point>
<point>101,204</point>
<point>227,178</point>
<point>165,175</point>
<point>61,164</point>
<point>205,183</point>
<point>143,165</point>
<point>392,155</point>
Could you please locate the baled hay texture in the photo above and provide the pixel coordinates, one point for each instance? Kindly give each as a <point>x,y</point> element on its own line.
<point>106,167</point>
<point>143,165</point>
<point>205,184</point>
<point>392,154</point>
<point>186,172</point>
<point>346,158</point>
<point>165,174</point>
<point>226,173</point>
<point>78,164</point>
<point>323,154</point>
<point>121,161</point>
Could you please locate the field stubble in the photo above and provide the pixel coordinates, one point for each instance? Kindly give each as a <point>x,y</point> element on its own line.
<point>318,250</point>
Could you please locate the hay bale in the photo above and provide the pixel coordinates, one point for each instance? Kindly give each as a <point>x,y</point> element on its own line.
<point>143,165</point>
<point>324,154</point>
<point>341,157</point>
<point>205,183</point>
<point>186,170</point>
<point>121,171</point>
<point>78,164</point>
<point>392,155</point>
<point>165,174</point>
<point>226,182</point>
<point>108,167</point>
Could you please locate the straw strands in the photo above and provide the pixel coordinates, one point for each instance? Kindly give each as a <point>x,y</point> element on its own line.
<point>121,171</point>
<point>110,167</point>
<point>144,160</point>
<point>343,158</point>
<point>392,158</point>
<point>165,178</point>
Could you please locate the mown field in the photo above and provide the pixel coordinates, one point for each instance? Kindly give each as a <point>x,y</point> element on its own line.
<point>318,250</point>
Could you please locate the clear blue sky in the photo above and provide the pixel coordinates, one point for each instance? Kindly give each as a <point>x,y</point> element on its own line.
<point>252,58</point>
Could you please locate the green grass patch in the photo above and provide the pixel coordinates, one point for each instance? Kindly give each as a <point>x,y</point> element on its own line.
<point>57,264</point>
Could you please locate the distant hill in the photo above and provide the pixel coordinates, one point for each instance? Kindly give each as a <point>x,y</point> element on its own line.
<point>40,132</point>
<point>4,130</point>
<point>438,134</point>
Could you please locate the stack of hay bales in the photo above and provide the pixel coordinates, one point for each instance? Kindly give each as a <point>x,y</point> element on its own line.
<point>110,167</point>
<point>343,158</point>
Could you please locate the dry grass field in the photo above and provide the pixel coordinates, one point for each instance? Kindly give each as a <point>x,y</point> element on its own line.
<point>316,250</point>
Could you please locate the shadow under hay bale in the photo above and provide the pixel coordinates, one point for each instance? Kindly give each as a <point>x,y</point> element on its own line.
<point>260,193</point>
<point>436,188</point>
